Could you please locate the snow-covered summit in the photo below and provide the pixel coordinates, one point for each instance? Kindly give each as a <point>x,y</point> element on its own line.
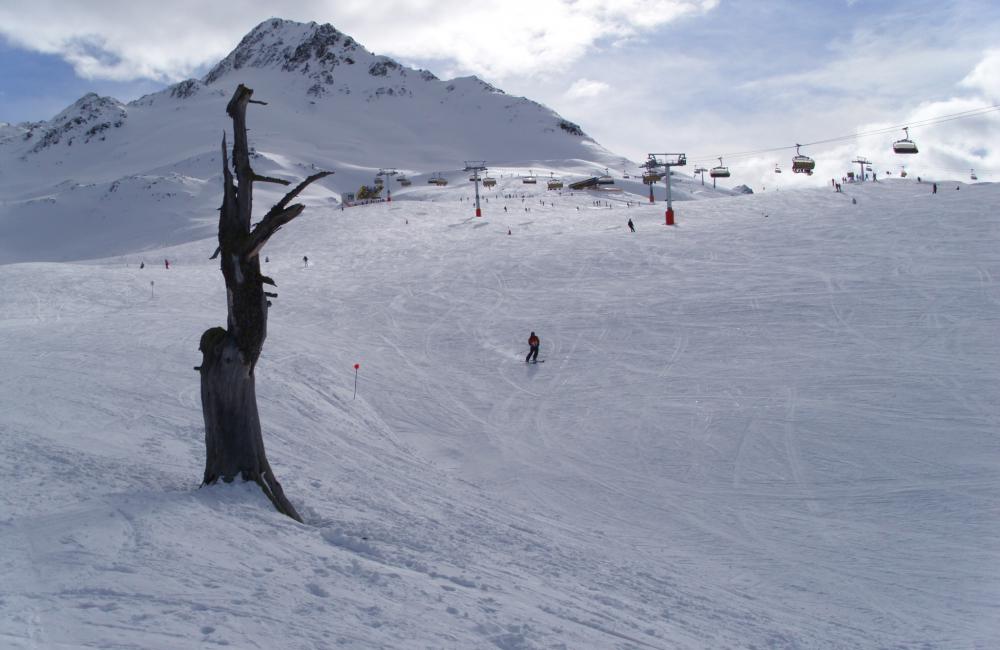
<point>331,104</point>
<point>308,48</point>
<point>88,118</point>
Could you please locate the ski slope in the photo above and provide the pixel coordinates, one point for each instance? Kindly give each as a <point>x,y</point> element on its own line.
<point>772,426</point>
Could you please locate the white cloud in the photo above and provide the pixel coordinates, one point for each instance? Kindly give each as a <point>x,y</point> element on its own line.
<point>985,77</point>
<point>123,39</point>
<point>586,88</point>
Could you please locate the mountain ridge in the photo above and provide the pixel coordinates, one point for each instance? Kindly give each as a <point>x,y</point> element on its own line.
<point>331,104</point>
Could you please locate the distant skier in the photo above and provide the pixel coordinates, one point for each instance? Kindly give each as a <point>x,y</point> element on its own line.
<point>166,263</point>
<point>142,265</point>
<point>266,259</point>
<point>305,261</point>
<point>934,188</point>
<point>533,344</point>
<point>631,226</point>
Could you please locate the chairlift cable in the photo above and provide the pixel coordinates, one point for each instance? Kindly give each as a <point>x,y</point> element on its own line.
<point>940,119</point>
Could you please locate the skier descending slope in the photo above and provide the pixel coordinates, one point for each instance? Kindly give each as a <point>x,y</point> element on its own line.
<point>533,344</point>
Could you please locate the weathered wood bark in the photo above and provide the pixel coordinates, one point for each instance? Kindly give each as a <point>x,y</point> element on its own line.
<point>234,445</point>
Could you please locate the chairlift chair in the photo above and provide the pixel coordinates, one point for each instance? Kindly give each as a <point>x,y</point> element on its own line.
<point>651,176</point>
<point>489,181</point>
<point>905,145</point>
<point>972,175</point>
<point>605,178</point>
<point>555,184</point>
<point>777,169</point>
<point>802,164</point>
<point>530,179</point>
<point>720,171</point>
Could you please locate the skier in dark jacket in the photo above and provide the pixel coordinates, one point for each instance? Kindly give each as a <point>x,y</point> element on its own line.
<point>631,226</point>
<point>533,344</point>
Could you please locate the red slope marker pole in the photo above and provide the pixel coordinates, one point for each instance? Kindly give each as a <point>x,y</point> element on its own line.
<point>356,366</point>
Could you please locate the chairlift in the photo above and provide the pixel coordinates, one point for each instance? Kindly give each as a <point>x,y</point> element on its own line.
<point>902,171</point>
<point>404,181</point>
<point>489,181</point>
<point>972,175</point>
<point>605,178</point>
<point>905,145</point>
<point>651,176</point>
<point>777,169</point>
<point>720,171</point>
<point>437,179</point>
<point>530,179</point>
<point>802,164</point>
<point>555,183</point>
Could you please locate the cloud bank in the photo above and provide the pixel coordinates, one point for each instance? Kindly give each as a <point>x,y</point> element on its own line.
<point>123,39</point>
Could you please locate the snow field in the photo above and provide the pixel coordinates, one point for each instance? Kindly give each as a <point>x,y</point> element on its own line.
<point>771,426</point>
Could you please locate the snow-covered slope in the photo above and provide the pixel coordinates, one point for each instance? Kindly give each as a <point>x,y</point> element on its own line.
<point>773,426</point>
<point>152,167</point>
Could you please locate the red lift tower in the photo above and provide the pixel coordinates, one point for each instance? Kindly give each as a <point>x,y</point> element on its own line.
<point>668,160</point>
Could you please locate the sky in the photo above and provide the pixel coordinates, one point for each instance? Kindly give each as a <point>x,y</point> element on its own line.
<point>704,77</point>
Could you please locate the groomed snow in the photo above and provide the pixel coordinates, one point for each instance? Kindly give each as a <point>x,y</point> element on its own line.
<point>772,426</point>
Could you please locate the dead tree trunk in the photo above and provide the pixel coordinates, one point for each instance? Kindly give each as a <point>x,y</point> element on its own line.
<point>233,442</point>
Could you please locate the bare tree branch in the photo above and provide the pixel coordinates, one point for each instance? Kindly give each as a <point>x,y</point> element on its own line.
<point>280,205</point>
<point>268,226</point>
<point>270,179</point>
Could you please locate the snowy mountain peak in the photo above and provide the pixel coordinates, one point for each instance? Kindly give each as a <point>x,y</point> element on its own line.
<point>332,104</point>
<point>309,48</point>
<point>88,118</point>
